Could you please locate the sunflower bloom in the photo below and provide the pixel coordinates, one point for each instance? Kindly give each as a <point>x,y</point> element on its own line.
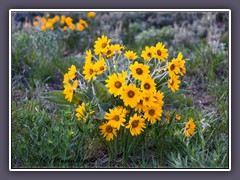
<point>115,117</point>
<point>116,82</point>
<point>131,55</point>
<point>161,52</point>
<point>159,97</point>
<point>136,125</point>
<point>153,113</point>
<point>173,83</point>
<point>108,131</point>
<point>109,51</point>
<point>148,99</point>
<point>139,70</point>
<point>148,85</point>
<point>173,67</point>
<point>91,14</point>
<point>139,107</point>
<point>89,71</point>
<point>101,44</point>
<point>81,112</point>
<point>148,53</point>
<point>181,64</point>
<point>189,128</point>
<point>130,95</point>
<point>100,66</point>
<point>72,72</point>
<point>89,56</point>
<point>178,117</point>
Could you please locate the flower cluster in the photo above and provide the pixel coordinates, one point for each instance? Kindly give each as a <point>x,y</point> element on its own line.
<point>63,22</point>
<point>133,83</point>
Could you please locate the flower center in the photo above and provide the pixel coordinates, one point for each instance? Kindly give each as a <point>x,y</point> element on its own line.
<point>139,71</point>
<point>90,71</point>
<point>104,45</point>
<point>118,84</point>
<point>149,54</point>
<point>151,112</point>
<point>109,52</point>
<point>147,86</point>
<point>172,83</point>
<point>101,68</point>
<point>146,98</point>
<point>159,52</point>
<point>109,129</point>
<point>131,94</point>
<point>116,118</point>
<point>172,67</point>
<point>140,102</point>
<point>135,123</point>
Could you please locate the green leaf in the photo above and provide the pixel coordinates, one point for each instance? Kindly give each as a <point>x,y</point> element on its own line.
<point>59,98</point>
<point>102,93</point>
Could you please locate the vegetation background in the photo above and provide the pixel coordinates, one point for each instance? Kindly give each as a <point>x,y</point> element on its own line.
<point>46,135</point>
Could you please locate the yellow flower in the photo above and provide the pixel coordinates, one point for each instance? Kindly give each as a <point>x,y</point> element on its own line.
<point>148,99</point>
<point>189,128</point>
<point>153,113</point>
<point>168,116</point>
<point>82,22</point>
<point>68,20</point>
<point>130,95</point>
<point>101,44</point>
<point>109,51</point>
<point>178,117</point>
<point>173,83</point>
<point>122,110</point>
<point>139,71</point>
<point>91,14</point>
<point>131,55</point>
<point>89,71</point>
<point>72,72</point>
<point>108,131</point>
<point>43,28</point>
<point>80,27</point>
<point>81,112</point>
<point>100,66</point>
<point>49,24</point>
<point>64,28</point>
<point>148,53</point>
<point>35,23</point>
<point>71,26</point>
<point>62,21</point>
<point>148,85</point>
<point>139,107</point>
<point>181,64</point>
<point>89,56</point>
<point>159,97</point>
<point>161,52</point>
<point>115,117</point>
<point>116,82</point>
<point>173,67</point>
<point>69,90</point>
<point>56,18</point>
<point>136,125</point>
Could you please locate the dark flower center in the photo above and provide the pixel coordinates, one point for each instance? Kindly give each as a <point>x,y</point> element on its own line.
<point>149,54</point>
<point>172,83</point>
<point>131,94</point>
<point>118,84</point>
<point>116,118</point>
<point>139,71</point>
<point>151,112</point>
<point>109,129</point>
<point>104,45</point>
<point>101,68</point>
<point>147,86</point>
<point>135,123</point>
<point>90,71</point>
<point>172,67</point>
<point>159,52</point>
